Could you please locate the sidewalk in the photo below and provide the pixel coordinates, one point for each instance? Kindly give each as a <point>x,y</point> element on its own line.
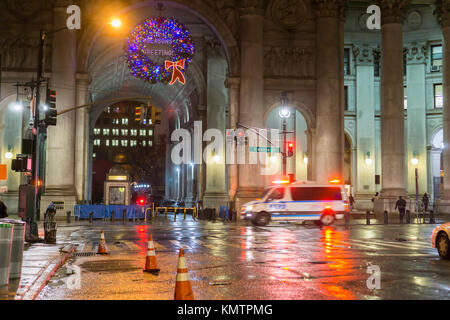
<point>40,262</point>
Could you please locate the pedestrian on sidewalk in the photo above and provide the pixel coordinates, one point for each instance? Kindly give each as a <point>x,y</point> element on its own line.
<point>401,205</point>
<point>351,200</point>
<point>425,202</point>
<point>3,209</point>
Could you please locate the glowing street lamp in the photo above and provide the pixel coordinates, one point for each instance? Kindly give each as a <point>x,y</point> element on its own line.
<point>9,155</point>
<point>116,23</point>
<point>368,159</point>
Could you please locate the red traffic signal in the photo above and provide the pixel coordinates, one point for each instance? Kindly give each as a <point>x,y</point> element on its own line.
<point>141,201</point>
<point>290,148</point>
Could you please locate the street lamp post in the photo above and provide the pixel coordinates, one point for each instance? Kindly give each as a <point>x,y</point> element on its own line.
<point>284,113</point>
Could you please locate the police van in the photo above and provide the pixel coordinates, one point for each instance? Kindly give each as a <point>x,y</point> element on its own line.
<point>298,201</point>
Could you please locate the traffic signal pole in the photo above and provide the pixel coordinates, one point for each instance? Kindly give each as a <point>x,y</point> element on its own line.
<point>284,148</point>
<point>33,231</point>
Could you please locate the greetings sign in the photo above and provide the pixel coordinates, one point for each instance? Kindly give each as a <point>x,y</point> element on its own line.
<point>160,50</point>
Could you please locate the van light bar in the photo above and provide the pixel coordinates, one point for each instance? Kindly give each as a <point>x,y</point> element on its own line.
<point>280,182</point>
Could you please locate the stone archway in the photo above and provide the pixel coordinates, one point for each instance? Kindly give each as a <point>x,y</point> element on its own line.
<point>103,74</point>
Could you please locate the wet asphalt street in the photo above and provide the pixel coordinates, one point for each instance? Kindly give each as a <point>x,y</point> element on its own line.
<point>276,262</point>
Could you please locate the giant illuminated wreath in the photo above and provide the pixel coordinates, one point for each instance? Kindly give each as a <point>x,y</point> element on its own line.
<point>160,31</point>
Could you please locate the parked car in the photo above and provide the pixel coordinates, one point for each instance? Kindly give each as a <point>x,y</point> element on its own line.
<point>440,240</point>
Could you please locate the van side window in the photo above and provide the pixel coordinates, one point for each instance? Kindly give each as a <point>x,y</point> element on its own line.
<point>316,194</point>
<point>277,194</point>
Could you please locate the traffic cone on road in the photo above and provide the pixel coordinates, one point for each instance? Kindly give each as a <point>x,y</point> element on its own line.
<point>102,244</point>
<point>150,260</point>
<point>183,289</point>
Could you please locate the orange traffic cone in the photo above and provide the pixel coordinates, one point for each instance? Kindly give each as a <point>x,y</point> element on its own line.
<point>102,244</point>
<point>183,289</point>
<point>150,260</point>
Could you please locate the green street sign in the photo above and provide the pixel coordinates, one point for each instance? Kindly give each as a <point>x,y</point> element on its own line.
<point>265,149</point>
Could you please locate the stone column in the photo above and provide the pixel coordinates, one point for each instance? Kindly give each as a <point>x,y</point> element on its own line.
<point>251,110</point>
<point>416,120</point>
<point>443,11</point>
<point>60,181</point>
<point>365,124</point>
<point>393,182</point>
<point>82,137</point>
<point>216,189</point>
<point>329,117</point>
<point>233,84</point>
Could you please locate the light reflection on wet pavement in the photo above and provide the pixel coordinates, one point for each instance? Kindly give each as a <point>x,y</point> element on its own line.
<point>228,261</point>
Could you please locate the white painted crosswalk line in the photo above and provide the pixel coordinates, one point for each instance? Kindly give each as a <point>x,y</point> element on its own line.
<point>180,244</point>
<point>201,243</point>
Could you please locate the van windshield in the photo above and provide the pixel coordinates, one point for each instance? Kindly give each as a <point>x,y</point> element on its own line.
<point>316,193</point>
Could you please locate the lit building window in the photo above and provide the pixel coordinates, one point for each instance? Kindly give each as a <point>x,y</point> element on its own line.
<point>436,58</point>
<point>438,97</point>
<point>150,132</point>
<point>107,143</point>
<point>144,143</point>
<point>94,155</point>
<point>124,132</point>
<point>347,61</point>
<point>115,132</point>
<point>124,143</point>
<point>125,121</point>
<point>115,143</point>
<point>116,121</point>
<point>105,132</point>
<point>150,143</point>
<point>133,143</point>
<point>96,142</point>
<point>405,99</point>
<point>133,132</point>
<point>97,131</point>
<point>143,132</point>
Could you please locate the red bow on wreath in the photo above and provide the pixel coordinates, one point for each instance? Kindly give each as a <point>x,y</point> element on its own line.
<point>177,75</point>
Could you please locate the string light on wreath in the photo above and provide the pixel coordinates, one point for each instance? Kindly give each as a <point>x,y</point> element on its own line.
<point>155,41</point>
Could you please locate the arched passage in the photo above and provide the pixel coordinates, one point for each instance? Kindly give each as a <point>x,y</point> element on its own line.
<point>106,76</point>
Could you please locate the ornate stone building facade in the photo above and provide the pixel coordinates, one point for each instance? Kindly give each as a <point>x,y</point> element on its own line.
<point>347,85</point>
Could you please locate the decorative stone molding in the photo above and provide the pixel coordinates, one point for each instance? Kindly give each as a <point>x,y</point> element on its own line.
<point>214,48</point>
<point>289,62</point>
<point>443,12</point>
<point>22,53</point>
<point>25,9</point>
<point>290,14</point>
<point>331,8</point>
<point>416,53</point>
<point>228,11</point>
<point>364,54</point>
<point>392,11</point>
<point>232,82</point>
<point>254,7</point>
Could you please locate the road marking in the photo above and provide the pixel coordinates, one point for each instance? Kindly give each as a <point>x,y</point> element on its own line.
<point>199,242</point>
<point>179,244</point>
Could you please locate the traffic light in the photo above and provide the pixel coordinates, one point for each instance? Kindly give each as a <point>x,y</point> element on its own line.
<point>21,164</point>
<point>290,148</point>
<point>156,115</point>
<point>51,113</point>
<point>138,114</point>
<point>141,201</point>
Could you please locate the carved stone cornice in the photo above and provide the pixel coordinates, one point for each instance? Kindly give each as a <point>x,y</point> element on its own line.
<point>330,8</point>
<point>252,7</point>
<point>392,11</point>
<point>416,53</point>
<point>364,54</point>
<point>233,82</point>
<point>443,12</point>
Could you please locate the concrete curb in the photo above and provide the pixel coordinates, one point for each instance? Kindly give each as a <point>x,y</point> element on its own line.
<point>44,277</point>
